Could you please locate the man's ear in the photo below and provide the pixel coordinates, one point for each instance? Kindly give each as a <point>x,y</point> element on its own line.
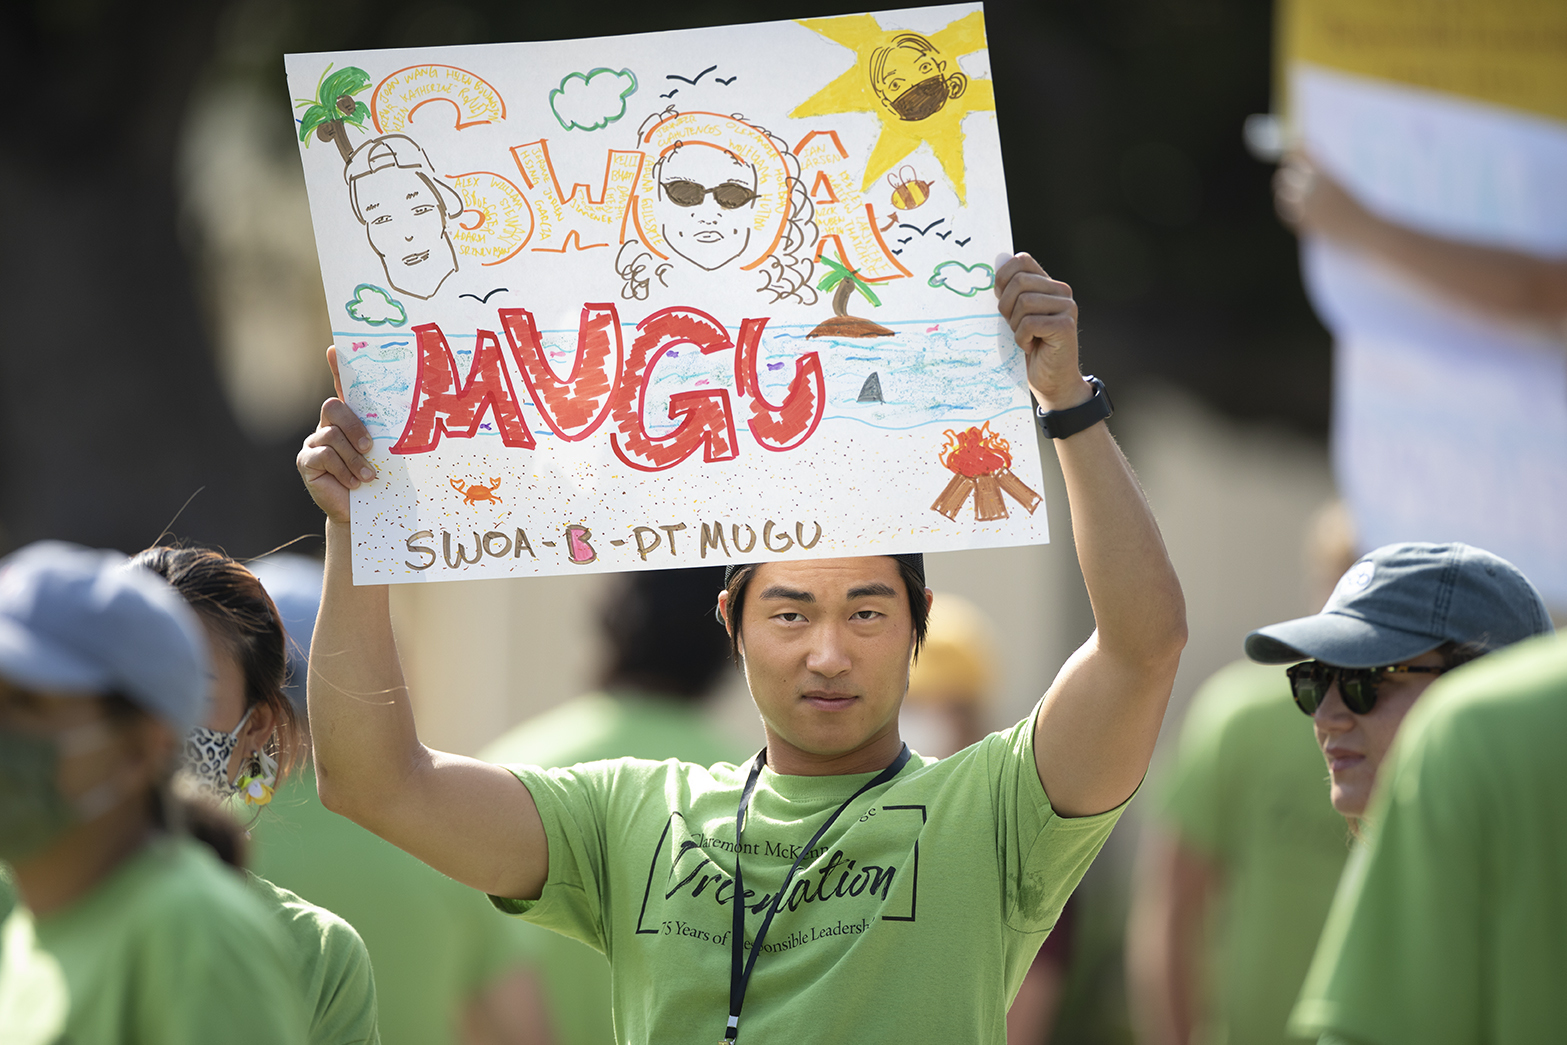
<point>957,83</point>
<point>723,611</point>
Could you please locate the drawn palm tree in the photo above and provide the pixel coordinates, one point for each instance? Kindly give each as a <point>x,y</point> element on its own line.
<point>334,107</point>
<point>847,280</point>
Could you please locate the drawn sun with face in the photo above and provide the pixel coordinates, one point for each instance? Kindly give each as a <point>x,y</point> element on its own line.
<point>910,77</point>
<point>912,83</point>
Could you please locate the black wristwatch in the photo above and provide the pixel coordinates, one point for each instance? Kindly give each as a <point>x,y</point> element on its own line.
<point>1059,424</point>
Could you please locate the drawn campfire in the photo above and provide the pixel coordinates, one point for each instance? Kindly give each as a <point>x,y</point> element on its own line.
<point>981,464</point>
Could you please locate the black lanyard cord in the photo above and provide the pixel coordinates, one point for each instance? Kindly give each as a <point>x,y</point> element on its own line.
<point>739,966</point>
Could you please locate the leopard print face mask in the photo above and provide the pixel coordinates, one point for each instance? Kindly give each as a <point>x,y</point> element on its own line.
<point>206,758</point>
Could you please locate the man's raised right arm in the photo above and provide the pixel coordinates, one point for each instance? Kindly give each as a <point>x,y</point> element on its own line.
<point>470,820</point>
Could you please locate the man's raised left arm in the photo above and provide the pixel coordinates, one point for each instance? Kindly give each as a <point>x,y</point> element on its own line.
<point>1096,728</point>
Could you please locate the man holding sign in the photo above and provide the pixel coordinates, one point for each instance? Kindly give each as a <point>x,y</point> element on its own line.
<point>838,887</point>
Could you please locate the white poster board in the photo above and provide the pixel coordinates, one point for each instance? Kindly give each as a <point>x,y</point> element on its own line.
<point>597,319</point>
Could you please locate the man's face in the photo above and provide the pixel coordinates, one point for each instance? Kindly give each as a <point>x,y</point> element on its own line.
<point>708,228</point>
<point>826,648</point>
<point>913,83</point>
<point>1354,745</point>
<point>406,226</point>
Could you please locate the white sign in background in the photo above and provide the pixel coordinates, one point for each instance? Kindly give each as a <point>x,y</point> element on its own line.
<point>716,295</point>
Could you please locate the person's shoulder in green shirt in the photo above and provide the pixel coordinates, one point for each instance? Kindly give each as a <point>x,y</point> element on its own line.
<point>616,724</point>
<point>588,728</point>
<point>1247,758</point>
<point>331,965</point>
<point>435,944</point>
<point>1248,793</point>
<point>172,948</point>
<point>1449,925</point>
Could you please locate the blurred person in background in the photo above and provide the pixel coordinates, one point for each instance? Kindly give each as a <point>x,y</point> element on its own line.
<point>951,689</point>
<point>1403,615</point>
<point>127,931</point>
<point>1427,190</point>
<point>1450,925</point>
<point>250,740</point>
<point>663,660</point>
<point>446,969</point>
<point>1236,870</point>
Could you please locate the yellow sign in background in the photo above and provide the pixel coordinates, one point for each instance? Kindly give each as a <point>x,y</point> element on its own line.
<point>1507,52</point>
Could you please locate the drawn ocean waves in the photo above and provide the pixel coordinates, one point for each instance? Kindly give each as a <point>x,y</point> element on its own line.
<point>959,372</point>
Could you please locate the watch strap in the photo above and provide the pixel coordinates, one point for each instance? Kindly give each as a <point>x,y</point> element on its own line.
<point>1061,424</point>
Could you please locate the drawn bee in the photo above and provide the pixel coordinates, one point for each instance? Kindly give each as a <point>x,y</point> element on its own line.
<point>908,192</point>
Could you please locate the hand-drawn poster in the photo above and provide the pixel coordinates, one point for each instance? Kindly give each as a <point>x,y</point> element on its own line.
<point>717,295</point>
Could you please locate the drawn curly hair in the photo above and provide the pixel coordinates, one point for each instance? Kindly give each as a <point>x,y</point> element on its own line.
<point>786,273</point>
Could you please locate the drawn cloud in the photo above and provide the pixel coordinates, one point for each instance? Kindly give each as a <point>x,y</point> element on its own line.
<point>375,306</point>
<point>966,280</point>
<point>589,101</point>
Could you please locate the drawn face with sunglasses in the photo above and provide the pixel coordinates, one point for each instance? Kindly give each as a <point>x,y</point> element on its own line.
<point>1355,713</point>
<point>705,203</point>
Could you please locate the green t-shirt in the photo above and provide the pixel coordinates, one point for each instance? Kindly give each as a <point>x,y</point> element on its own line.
<point>331,967</point>
<point>170,949</point>
<point>1451,922</point>
<point>434,943</point>
<point>589,728</point>
<point>914,919</point>
<point>1249,791</point>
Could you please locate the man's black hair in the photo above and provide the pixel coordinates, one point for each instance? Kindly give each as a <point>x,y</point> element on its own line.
<point>658,626</point>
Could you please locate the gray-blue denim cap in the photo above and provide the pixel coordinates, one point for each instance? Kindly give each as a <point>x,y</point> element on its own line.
<point>294,583</point>
<point>86,622</point>
<point>1402,600</point>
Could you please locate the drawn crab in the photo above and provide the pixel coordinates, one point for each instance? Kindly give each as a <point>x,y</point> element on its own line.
<point>478,492</point>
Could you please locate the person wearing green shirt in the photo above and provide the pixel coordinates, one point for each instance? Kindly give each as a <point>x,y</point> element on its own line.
<point>662,660</point>
<point>1237,870</point>
<point>248,739</point>
<point>446,970</point>
<point>127,931</point>
<point>835,887</point>
<point>1449,925</point>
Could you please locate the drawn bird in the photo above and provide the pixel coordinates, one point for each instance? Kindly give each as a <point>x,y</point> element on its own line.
<point>927,228</point>
<point>689,80</point>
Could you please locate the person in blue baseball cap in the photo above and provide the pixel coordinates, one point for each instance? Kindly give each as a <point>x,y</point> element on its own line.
<point>126,930</point>
<point>1399,617</point>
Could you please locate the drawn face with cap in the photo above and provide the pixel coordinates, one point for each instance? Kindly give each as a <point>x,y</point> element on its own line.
<point>405,216</point>
<point>705,204</point>
<point>911,78</point>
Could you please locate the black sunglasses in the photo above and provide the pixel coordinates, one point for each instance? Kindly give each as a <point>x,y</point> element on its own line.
<point>728,195</point>
<point>1309,682</point>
